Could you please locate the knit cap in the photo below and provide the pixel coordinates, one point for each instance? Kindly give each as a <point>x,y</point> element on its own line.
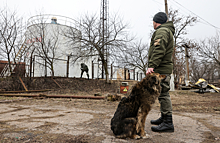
<point>160,17</point>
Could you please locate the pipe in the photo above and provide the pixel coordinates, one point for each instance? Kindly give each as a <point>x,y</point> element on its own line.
<point>54,96</point>
<point>23,91</point>
<point>77,97</point>
<point>20,95</point>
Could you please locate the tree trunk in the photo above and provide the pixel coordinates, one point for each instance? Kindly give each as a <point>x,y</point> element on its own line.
<point>144,70</point>
<point>9,62</point>
<point>106,71</point>
<point>52,70</point>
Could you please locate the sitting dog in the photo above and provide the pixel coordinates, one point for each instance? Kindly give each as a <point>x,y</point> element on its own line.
<point>129,118</point>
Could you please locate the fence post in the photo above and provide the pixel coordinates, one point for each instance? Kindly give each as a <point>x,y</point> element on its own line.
<point>67,68</point>
<point>45,67</point>
<point>111,72</point>
<point>134,73</point>
<point>137,76</point>
<point>33,65</point>
<point>30,65</point>
<point>129,75</point>
<point>93,70</point>
<point>124,73</point>
<point>102,70</point>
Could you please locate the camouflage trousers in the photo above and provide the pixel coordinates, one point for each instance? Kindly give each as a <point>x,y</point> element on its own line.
<point>87,73</point>
<point>164,98</point>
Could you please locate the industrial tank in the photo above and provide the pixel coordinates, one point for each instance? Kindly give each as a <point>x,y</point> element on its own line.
<point>49,48</point>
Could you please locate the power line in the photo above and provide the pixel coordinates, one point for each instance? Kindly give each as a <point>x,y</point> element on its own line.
<point>198,16</point>
<point>187,10</point>
<point>180,8</point>
<point>157,2</point>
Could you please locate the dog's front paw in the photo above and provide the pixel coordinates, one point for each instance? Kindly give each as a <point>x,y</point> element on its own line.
<point>141,133</point>
<point>145,136</point>
<point>137,137</point>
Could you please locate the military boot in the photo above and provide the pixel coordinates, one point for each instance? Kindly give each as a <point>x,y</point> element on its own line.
<point>165,126</point>
<point>158,121</point>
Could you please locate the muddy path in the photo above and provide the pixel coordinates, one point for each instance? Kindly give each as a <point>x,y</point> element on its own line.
<point>82,120</point>
<point>196,117</point>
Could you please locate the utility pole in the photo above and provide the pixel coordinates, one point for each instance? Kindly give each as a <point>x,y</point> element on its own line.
<point>187,64</point>
<point>166,8</point>
<point>172,86</point>
<point>104,33</point>
<point>218,57</point>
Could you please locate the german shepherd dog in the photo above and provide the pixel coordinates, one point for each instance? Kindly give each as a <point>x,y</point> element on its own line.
<point>129,118</point>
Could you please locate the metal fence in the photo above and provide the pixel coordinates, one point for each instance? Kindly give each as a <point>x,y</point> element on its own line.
<point>116,72</point>
<point>66,69</point>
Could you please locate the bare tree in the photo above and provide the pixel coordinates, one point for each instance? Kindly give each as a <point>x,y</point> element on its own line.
<point>203,69</point>
<point>181,23</point>
<point>209,50</point>
<point>11,33</point>
<point>180,68</point>
<point>91,39</point>
<point>134,55</point>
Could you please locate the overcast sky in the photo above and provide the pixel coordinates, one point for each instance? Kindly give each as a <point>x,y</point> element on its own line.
<point>137,13</point>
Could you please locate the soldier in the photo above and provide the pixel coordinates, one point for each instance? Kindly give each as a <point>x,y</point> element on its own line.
<point>160,61</point>
<point>83,68</point>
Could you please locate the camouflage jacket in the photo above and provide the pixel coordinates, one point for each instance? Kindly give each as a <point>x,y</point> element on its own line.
<point>161,49</point>
<point>84,67</point>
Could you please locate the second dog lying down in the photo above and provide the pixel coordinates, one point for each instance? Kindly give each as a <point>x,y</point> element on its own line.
<point>129,118</point>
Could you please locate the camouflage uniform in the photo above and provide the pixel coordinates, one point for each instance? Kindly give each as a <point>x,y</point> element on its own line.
<point>160,58</point>
<point>83,68</point>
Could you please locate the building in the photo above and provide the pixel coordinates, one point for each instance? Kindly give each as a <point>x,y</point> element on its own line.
<point>18,70</point>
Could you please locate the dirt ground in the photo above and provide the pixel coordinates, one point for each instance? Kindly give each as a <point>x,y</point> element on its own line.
<point>65,120</point>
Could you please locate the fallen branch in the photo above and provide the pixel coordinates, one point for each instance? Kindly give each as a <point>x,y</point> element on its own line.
<point>23,83</point>
<point>56,83</point>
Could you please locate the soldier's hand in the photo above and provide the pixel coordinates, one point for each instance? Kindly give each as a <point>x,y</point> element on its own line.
<point>150,70</point>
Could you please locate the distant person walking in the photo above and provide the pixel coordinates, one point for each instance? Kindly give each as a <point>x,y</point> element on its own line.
<point>84,68</point>
<point>160,61</point>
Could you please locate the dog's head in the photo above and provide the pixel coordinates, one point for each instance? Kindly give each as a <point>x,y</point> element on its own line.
<point>152,82</point>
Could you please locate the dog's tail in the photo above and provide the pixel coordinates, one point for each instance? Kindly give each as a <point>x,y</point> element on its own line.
<point>122,136</point>
<point>128,128</point>
<point>117,129</point>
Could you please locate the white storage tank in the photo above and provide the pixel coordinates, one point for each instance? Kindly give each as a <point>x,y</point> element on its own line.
<point>47,43</point>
